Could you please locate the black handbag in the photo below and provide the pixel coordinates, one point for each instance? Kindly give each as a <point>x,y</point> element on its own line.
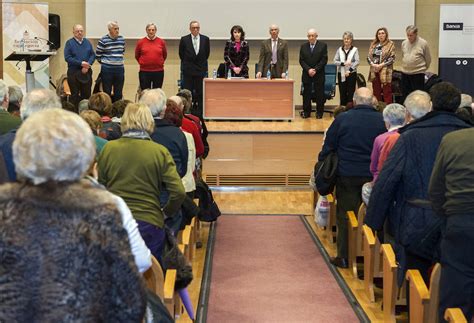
<point>325,173</point>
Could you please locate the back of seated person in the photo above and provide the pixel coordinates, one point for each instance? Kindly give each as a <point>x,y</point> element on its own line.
<point>68,255</point>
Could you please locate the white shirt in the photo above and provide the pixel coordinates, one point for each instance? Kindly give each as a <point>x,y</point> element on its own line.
<point>196,39</point>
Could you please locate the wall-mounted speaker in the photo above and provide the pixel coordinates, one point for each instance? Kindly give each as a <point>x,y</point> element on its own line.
<point>54,31</point>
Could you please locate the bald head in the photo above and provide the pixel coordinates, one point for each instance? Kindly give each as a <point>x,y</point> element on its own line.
<point>363,96</point>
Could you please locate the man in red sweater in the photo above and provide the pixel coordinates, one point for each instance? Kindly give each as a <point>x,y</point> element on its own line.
<point>151,53</point>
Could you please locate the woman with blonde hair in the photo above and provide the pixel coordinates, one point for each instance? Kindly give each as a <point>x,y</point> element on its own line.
<point>137,169</point>
<point>381,58</point>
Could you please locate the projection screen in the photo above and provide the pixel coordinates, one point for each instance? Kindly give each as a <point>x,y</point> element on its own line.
<point>330,17</point>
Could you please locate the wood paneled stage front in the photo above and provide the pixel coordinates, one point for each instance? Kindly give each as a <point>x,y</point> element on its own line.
<point>262,148</point>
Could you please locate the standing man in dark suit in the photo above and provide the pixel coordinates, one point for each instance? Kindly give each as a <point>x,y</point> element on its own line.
<point>194,51</point>
<point>313,59</point>
<point>273,55</point>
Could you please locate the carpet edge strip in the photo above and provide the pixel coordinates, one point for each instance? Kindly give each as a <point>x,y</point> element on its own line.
<point>352,300</point>
<point>201,313</point>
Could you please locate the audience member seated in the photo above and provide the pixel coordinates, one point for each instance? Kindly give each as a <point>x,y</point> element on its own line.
<point>165,133</point>
<point>102,104</point>
<point>68,106</point>
<point>68,255</point>
<point>118,108</point>
<point>417,104</point>
<point>137,169</point>
<point>83,105</point>
<point>15,96</point>
<point>394,118</point>
<point>174,115</point>
<point>187,98</point>
<point>34,101</point>
<point>189,126</point>
<point>450,192</point>
<point>93,120</point>
<point>351,136</point>
<point>7,121</point>
<point>400,193</point>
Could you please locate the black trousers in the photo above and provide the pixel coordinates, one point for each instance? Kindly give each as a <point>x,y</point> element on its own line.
<point>315,84</point>
<point>348,194</point>
<point>410,83</point>
<point>194,84</point>
<point>79,91</point>
<point>347,88</point>
<point>457,266</point>
<point>151,80</point>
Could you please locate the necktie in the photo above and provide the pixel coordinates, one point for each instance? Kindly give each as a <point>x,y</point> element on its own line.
<point>195,44</point>
<point>312,47</point>
<point>274,51</point>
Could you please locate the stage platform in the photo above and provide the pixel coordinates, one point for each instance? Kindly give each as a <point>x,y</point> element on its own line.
<point>264,153</point>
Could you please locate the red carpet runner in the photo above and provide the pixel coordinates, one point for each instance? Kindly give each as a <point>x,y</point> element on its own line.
<point>268,269</point>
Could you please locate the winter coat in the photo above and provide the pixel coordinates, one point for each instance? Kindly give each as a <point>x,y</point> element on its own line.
<point>401,190</point>
<point>65,256</point>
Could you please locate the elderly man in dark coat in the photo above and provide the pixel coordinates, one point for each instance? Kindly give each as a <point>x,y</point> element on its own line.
<point>351,136</point>
<point>401,190</point>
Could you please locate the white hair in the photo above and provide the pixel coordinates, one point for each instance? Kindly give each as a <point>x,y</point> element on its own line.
<point>418,103</point>
<point>178,100</point>
<point>394,114</point>
<point>466,100</point>
<point>53,145</point>
<point>39,99</point>
<point>3,91</point>
<point>15,94</point>
<point>112,24</point>
<point>155,99</point>
<point>363,96</point>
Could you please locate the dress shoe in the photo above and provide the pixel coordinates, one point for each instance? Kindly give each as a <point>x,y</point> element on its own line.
<point>303,115</point>
<point>319,117</point>
<point>339,262</point>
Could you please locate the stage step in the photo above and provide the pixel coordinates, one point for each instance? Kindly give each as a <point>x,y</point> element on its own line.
<point>257,180</point>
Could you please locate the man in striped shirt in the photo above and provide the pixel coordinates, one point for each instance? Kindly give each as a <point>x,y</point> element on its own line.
<point>109,53</point>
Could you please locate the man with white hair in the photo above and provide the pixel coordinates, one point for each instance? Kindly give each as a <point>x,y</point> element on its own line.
<point>165,133</point>
<point>313,60</point>
<point>7,121</point>
<point>351,135</point>
<point>34,101</point>
<point>273,55</point>
<point>109,53</point>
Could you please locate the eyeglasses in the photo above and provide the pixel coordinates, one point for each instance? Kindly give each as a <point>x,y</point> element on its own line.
<point>195,27</point>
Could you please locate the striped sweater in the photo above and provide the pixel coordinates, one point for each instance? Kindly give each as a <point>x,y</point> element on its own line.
<point>110,51</point>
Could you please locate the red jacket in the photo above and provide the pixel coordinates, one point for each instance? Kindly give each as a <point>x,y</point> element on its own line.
<point>151,54</point>
<point>190,127</point>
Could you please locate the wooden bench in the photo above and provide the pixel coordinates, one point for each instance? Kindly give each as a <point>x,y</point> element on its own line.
<point>372,261</point>
<point>423,302</point>
<point>392,295</point>
<point>454,315</point>
<point>355,237</point>
<point>161,285</point>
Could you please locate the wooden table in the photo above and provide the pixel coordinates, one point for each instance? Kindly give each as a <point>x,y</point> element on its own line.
<point>248,99</point>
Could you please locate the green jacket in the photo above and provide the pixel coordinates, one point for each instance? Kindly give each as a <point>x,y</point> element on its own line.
<point>8,122</point>
<point>137,170</point>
